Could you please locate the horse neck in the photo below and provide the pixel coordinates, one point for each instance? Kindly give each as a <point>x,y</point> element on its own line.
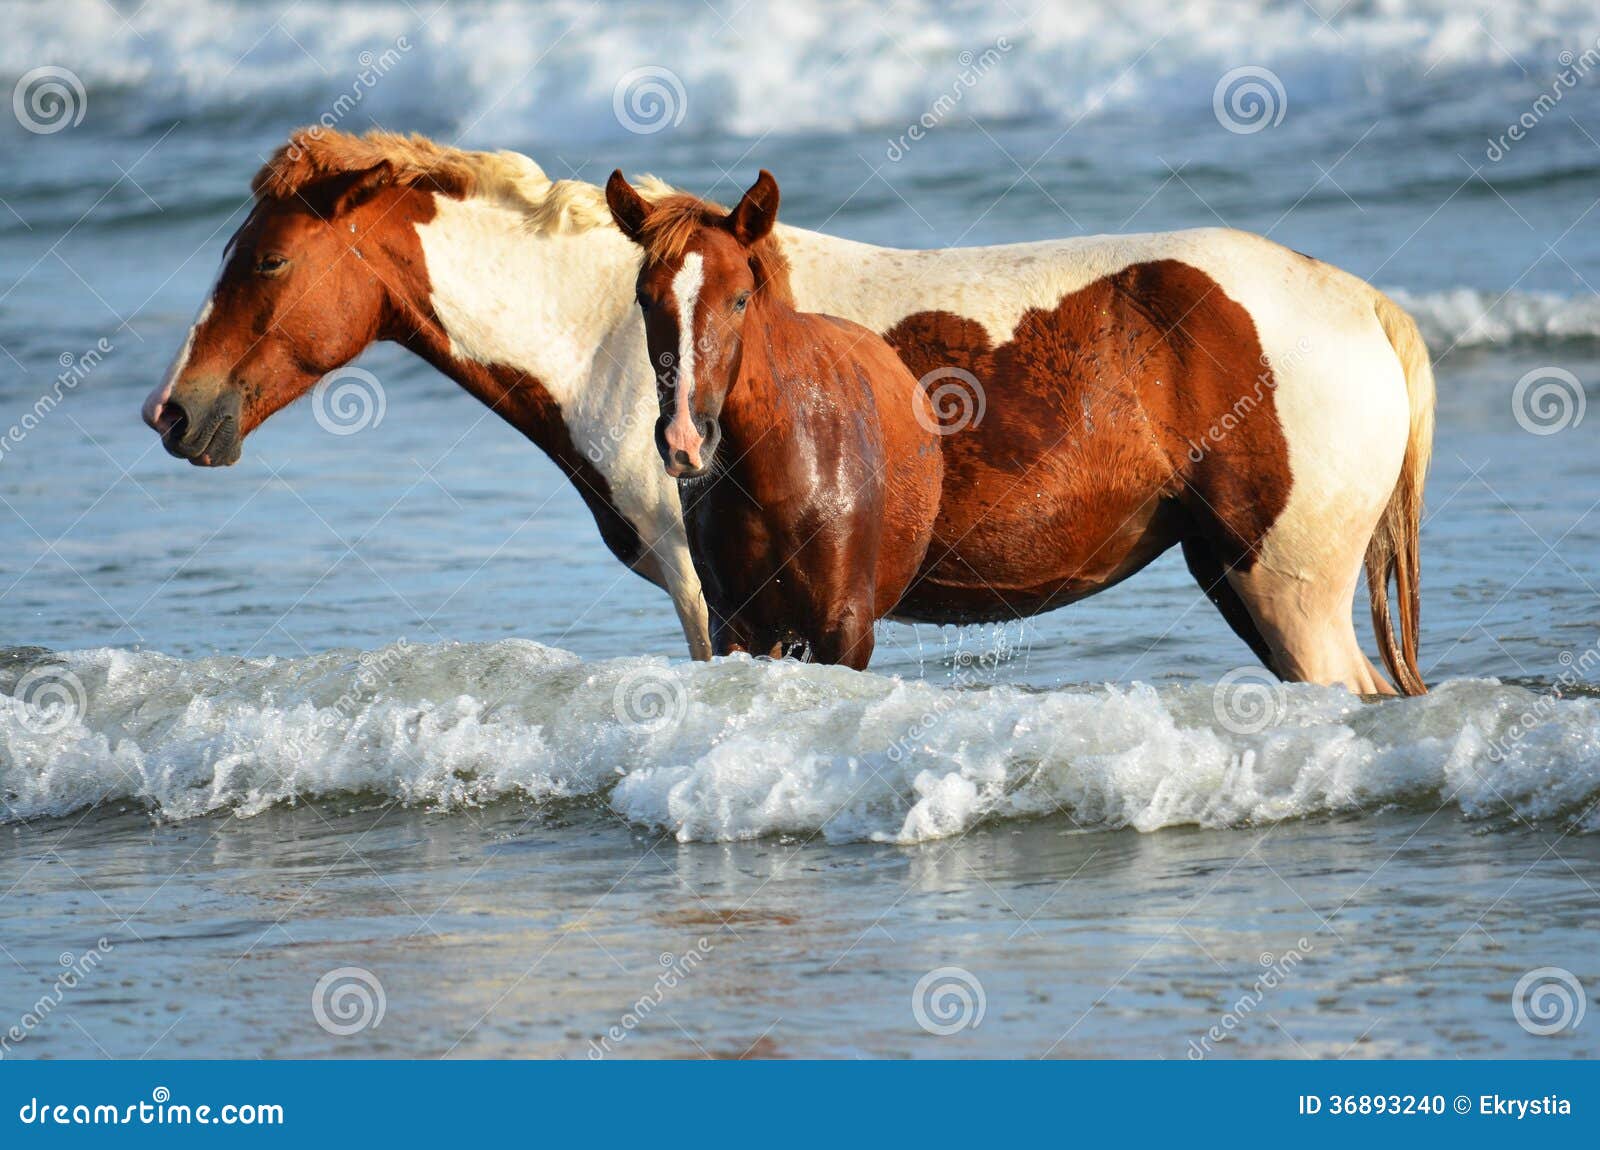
<point>758,405</point>
<point>536,326</point>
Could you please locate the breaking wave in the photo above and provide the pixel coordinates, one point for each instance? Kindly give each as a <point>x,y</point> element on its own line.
<point>1465,318</point>
<point>494,68</point>
<point>741,748</point>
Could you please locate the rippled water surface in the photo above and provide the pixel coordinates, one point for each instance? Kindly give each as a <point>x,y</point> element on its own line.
<point>384,703</point>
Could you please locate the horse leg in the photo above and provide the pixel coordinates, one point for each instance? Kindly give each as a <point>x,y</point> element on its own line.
<point>691,609</point>
<point>847,639</point>
<point>1307,620</point>
<point>683,585</point>
<point>1209,572</point>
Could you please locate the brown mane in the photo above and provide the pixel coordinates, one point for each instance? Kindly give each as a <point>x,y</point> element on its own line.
<point>314,155</point>
<point>673,221</point>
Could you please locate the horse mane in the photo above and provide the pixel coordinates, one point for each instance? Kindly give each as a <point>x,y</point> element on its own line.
<point>673,220</point>
<point>316,154</point>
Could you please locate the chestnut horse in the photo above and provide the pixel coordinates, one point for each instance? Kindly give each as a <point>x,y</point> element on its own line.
<point>815,514</point>
<point>1207,389</point>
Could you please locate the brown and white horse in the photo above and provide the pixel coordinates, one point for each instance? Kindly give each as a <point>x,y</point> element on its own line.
<point>815,514</point>
<point>1267,412</point>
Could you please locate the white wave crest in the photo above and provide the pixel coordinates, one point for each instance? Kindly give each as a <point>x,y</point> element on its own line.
<point>503,68</point>
<point>763,749</point>
<point>1465,318</point>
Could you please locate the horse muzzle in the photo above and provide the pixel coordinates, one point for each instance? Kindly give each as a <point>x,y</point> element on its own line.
<point>205,432</point>
<point>687,454</point>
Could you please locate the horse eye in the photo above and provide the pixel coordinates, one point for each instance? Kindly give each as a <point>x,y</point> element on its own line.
<point>644,304</point>
<point>271,265</point>
<point>740,300</point>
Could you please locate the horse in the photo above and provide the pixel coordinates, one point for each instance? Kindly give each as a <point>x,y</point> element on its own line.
<point>1206,389</point>
<point>817,448</point>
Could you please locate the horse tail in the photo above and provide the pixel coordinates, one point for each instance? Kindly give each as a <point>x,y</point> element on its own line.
<point>1394,551</point>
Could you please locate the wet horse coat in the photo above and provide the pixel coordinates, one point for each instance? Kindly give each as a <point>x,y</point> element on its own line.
<point>810,508</point>
<point>1271,414</point>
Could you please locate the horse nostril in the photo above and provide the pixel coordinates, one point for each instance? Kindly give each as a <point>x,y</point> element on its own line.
<point>174,420</point>
<point>681,458</point>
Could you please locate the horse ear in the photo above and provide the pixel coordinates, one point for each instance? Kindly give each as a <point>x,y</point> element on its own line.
<point>362,188</point>
<point>755,214</point>
<point>627,206</point>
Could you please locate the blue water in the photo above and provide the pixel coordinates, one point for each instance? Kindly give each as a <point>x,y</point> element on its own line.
<point>477,832</point>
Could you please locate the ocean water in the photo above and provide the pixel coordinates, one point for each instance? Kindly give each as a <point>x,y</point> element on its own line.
<point>366,746</point>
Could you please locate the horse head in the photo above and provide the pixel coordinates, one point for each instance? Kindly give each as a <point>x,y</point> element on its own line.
<point>705,269</point>
<point>305,286</point>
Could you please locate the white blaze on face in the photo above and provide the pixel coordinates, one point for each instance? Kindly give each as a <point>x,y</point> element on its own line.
<point>153,403</point>
<point>686,293</point>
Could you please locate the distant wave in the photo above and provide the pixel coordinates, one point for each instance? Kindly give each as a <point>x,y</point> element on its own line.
<point>499,70</point>
<point>1466,318</point>
<point>740,749</point>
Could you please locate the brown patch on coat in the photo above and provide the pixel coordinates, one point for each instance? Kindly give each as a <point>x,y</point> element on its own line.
<point>1135,413</point>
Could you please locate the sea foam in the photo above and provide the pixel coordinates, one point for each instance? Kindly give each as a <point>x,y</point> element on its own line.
<point>743,748</point>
